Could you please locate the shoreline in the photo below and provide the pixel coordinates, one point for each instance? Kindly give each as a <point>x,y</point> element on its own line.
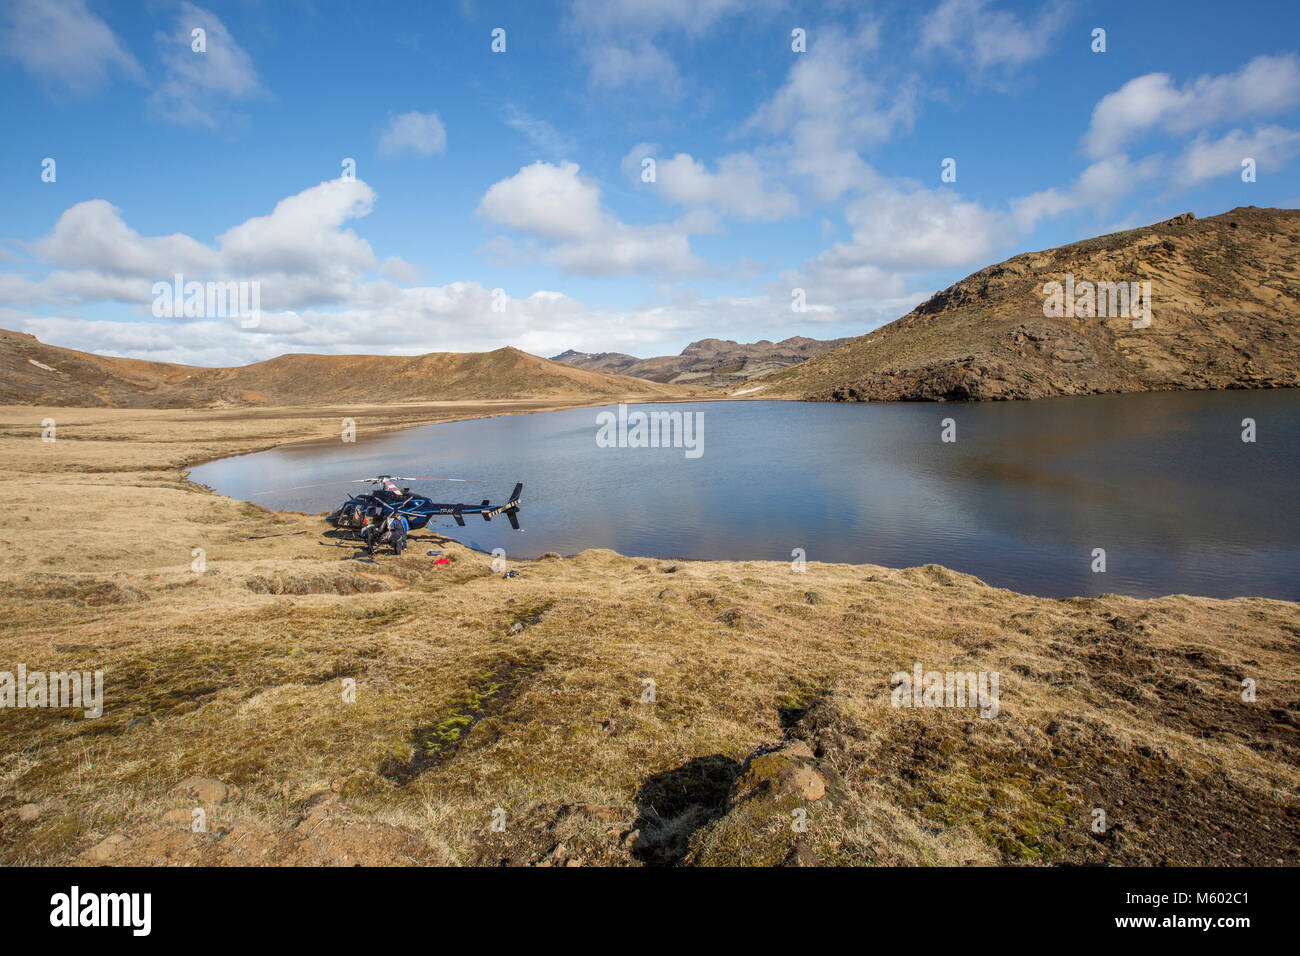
<point>225,633</point>
<point>474,416</point>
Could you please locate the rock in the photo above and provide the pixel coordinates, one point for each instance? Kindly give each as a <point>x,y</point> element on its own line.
<point>667,593</point>
<point>799,748</point>
<point>29,813</point>
<point>207,790</point>
<point>779,774</point>
<point>1069,355</point>
<point>105,850</point>
<point>516,628</point>
<point>808,784</point>
<point>557,857</point>
<point>756,825</point>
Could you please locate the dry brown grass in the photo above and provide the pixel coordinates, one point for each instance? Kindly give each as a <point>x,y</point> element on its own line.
<point>237,674</point>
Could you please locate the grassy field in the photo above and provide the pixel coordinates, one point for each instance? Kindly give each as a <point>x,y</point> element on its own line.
<point>286,703</point>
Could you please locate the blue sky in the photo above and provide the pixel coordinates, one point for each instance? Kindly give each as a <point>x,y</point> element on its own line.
<point>498,197</point>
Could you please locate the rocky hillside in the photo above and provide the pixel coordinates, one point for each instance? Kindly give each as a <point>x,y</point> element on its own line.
<point>719,363</point>
<point>1225,299</point>
<point>33,373</point>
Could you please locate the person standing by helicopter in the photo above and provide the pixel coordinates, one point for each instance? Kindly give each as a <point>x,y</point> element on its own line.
<point>391,530</point>
<point>398,527</point>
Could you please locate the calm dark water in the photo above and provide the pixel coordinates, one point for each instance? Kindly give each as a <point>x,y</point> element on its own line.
<point>1162,482</point>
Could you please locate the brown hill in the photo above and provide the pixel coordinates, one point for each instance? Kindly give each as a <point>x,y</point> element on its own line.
<point>718,363</point>
<point>1225,298</point>
<point>33,373</point>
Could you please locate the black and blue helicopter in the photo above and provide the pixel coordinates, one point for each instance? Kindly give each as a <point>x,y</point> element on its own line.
<point>374,506</point>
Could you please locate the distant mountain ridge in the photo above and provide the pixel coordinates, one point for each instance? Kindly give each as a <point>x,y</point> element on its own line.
<point>1225,302</point>
<point>33,373</point>
<point>718,363</point>
<point>1225,298</point>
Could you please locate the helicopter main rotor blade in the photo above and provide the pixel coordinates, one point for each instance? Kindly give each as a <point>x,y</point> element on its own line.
<point>353,481</point>
<point>359,481</point>
<point>319,484</point>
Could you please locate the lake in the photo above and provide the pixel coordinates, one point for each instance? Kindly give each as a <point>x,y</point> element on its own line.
<point>1022,497</point>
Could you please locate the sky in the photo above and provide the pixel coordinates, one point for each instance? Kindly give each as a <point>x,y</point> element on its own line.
<point>602,175</point>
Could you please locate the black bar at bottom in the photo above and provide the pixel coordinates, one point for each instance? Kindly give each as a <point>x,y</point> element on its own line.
<point>302,906</point>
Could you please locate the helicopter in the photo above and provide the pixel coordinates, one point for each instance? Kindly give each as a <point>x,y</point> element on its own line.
<point>386,498</point>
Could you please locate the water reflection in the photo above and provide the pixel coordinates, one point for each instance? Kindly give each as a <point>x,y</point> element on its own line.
<point>1161,481</point>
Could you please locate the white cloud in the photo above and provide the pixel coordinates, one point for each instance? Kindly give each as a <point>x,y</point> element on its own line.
<point>92,235</point>
<point>86,286</point>
<point>561,208</point>
<point>1102,184</point>
<point>899,233</point>
<point>738,187</point>
<point>636,62</point>
<point>456,317</point>
<point>320,285</point>
<point>828,110</point>
<point>632,163</point>
<point>896,233</point>
<point>399,270</point>
<point>1152,102</point>
<point>300,252</point>
<point>320,291</point>
<point>64,46</point>
<point>413,132</point>
<point>197,85</point>
<point>546,200</point>
<point>990,38</point>
<point>304,258</point>
<point>919,230</point>
<point>617,37</point>
<point>19,290</point>
<point>692,17</point>
<point>302,235</point>
<point>627,250</point>
<point>543,136</point>
<point>1205,158</point>
<point>1264,86</point>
